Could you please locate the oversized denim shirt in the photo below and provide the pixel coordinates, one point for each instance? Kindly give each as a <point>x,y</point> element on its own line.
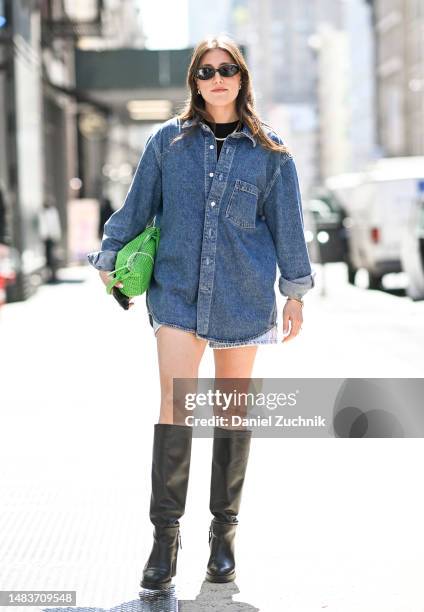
<point>225,226</point>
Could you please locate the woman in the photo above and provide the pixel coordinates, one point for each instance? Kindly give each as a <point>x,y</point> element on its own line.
<point>224,191</point>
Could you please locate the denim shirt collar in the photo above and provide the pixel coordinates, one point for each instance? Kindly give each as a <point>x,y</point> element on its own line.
<point>245,131</point>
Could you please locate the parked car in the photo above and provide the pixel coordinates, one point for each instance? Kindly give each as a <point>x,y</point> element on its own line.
<point>378,202</point>
<point>412,251</point>
<point>310,233</point>
<point>330,231</point>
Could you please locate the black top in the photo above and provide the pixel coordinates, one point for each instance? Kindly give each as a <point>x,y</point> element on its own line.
<point>222,130</point>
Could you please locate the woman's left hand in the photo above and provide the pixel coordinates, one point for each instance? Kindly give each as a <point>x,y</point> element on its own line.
<point>292,312</point>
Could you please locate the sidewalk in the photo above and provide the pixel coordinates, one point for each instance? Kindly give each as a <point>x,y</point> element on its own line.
<point>324,524</point>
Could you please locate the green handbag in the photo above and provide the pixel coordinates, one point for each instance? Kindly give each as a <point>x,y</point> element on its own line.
<point>134,263</point>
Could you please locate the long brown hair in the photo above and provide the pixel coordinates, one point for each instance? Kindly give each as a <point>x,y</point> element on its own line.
<point>194,107</point>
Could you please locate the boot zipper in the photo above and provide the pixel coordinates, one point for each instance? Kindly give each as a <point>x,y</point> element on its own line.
<point>179,537</point>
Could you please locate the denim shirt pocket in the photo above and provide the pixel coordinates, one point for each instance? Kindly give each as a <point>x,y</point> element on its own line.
<point>243,203</point>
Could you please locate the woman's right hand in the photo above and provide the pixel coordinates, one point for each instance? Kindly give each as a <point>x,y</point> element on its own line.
<point>106,279</point>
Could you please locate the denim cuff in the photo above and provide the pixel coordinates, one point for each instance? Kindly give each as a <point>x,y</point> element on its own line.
<point>103,260</point>
<point>297,287</point>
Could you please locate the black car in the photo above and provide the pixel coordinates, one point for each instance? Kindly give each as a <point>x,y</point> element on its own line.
<point>331,228</point>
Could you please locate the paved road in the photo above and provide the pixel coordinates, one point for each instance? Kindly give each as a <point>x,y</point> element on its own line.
<point>325,524</point>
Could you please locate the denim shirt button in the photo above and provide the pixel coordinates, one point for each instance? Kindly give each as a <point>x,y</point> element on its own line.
<point>211,147</point>
<point>263,217</point>
<point>213,203</point>
<point>210,173</point>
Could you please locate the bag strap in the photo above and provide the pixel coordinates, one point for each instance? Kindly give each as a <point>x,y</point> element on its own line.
<point>114,280</point>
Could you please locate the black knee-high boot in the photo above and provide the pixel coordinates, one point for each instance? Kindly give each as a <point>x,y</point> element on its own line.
<point>229,462</point>
<point>170,474</point>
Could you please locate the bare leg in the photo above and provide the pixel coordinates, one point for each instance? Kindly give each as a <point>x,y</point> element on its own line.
<point>235,362</point>
<point>231,363</point>
<point>179,356</point>
<point>229,462</point>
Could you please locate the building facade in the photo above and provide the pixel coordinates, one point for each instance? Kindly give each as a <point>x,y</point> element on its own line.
<point>399,34</point>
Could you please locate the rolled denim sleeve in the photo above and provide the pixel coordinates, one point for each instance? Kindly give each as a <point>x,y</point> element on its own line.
<point>140,206</point>
<point>284,216</point>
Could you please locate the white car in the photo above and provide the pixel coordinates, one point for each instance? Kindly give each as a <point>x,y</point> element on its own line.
<point>378,202</point>
<point>412,251</point>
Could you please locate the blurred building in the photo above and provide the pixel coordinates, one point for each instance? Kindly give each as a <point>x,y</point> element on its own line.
<point>122,26</point>
<point>50,130</point>
<point>358,22</point>
<point>399,33</point>
<point>312,65</point>
<point>346,92</point>
<point>285,70</point>
<point>207,18</point>
<point>22,160</point>
<point>334,116</point>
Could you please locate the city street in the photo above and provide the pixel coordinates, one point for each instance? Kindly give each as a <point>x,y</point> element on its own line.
<point>234,131</point>
<point>325,524</point>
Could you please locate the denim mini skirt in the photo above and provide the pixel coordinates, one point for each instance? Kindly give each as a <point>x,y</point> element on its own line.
<point>269,337</point>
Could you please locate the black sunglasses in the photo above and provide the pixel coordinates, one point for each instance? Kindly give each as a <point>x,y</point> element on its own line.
<point>225,70</point>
